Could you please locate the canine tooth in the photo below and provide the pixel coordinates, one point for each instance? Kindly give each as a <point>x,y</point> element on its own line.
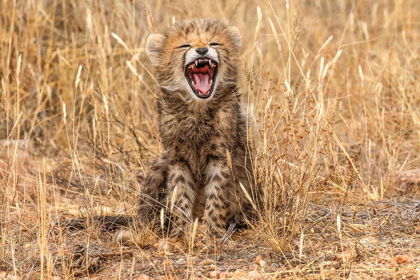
<point>196,63</point>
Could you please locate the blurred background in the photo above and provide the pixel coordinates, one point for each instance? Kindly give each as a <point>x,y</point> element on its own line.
<point>333,87</point>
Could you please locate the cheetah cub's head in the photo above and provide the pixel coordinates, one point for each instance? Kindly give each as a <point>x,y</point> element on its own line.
<point>197,58</point>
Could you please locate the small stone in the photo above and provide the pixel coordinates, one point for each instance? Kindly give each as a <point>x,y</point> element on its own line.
<point>253,273</point>
<point>144,277</point>
<point>124,237</point>
<point>180,261</point>
<point>258,259</point>
<point>225,274</point>
<point>207,261</point>
<point>238,273</point>
<point>124,207</point>
<point>215,274</point>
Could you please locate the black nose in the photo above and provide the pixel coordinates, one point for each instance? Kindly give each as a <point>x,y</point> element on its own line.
<point>202,51</point>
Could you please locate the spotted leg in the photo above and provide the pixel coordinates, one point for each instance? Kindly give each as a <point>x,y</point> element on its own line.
<point>220,197</point>
<point>181,194</point>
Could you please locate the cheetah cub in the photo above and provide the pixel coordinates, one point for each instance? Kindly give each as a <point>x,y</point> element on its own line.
<point>202,127</point>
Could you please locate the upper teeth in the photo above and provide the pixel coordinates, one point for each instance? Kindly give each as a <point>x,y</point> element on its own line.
<point>204,60</point>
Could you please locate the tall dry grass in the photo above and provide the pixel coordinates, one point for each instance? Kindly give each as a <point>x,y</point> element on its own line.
<point>333,87</point>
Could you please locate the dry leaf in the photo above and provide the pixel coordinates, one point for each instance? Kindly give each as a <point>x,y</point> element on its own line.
<point>403,259</point>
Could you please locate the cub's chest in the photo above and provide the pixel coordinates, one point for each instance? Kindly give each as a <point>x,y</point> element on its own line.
<point>195,127</point>
<point>185,125</point>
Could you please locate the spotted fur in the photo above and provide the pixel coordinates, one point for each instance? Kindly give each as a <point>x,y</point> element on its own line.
<point>199,134</point>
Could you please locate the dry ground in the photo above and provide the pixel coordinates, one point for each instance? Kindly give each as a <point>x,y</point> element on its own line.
<point>334,90</point>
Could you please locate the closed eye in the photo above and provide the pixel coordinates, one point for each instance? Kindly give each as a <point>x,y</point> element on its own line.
<point>184,46</point>
<point>214,44</point>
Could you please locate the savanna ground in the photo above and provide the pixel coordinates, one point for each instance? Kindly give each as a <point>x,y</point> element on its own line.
<point>333,87</point>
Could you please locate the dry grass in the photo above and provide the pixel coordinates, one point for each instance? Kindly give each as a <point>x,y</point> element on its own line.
<point>333,87</point>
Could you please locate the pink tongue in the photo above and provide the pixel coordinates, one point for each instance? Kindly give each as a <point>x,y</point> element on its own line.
<point>202,83</point>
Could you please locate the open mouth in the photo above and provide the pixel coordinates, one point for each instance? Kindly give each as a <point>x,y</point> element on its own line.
<point>201,75</point>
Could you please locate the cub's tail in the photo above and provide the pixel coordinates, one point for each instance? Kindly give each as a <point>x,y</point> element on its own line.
<point>151,201</point>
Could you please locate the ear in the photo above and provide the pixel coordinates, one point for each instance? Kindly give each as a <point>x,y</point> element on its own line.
<point>235,37</point>
<point>154,47</point>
